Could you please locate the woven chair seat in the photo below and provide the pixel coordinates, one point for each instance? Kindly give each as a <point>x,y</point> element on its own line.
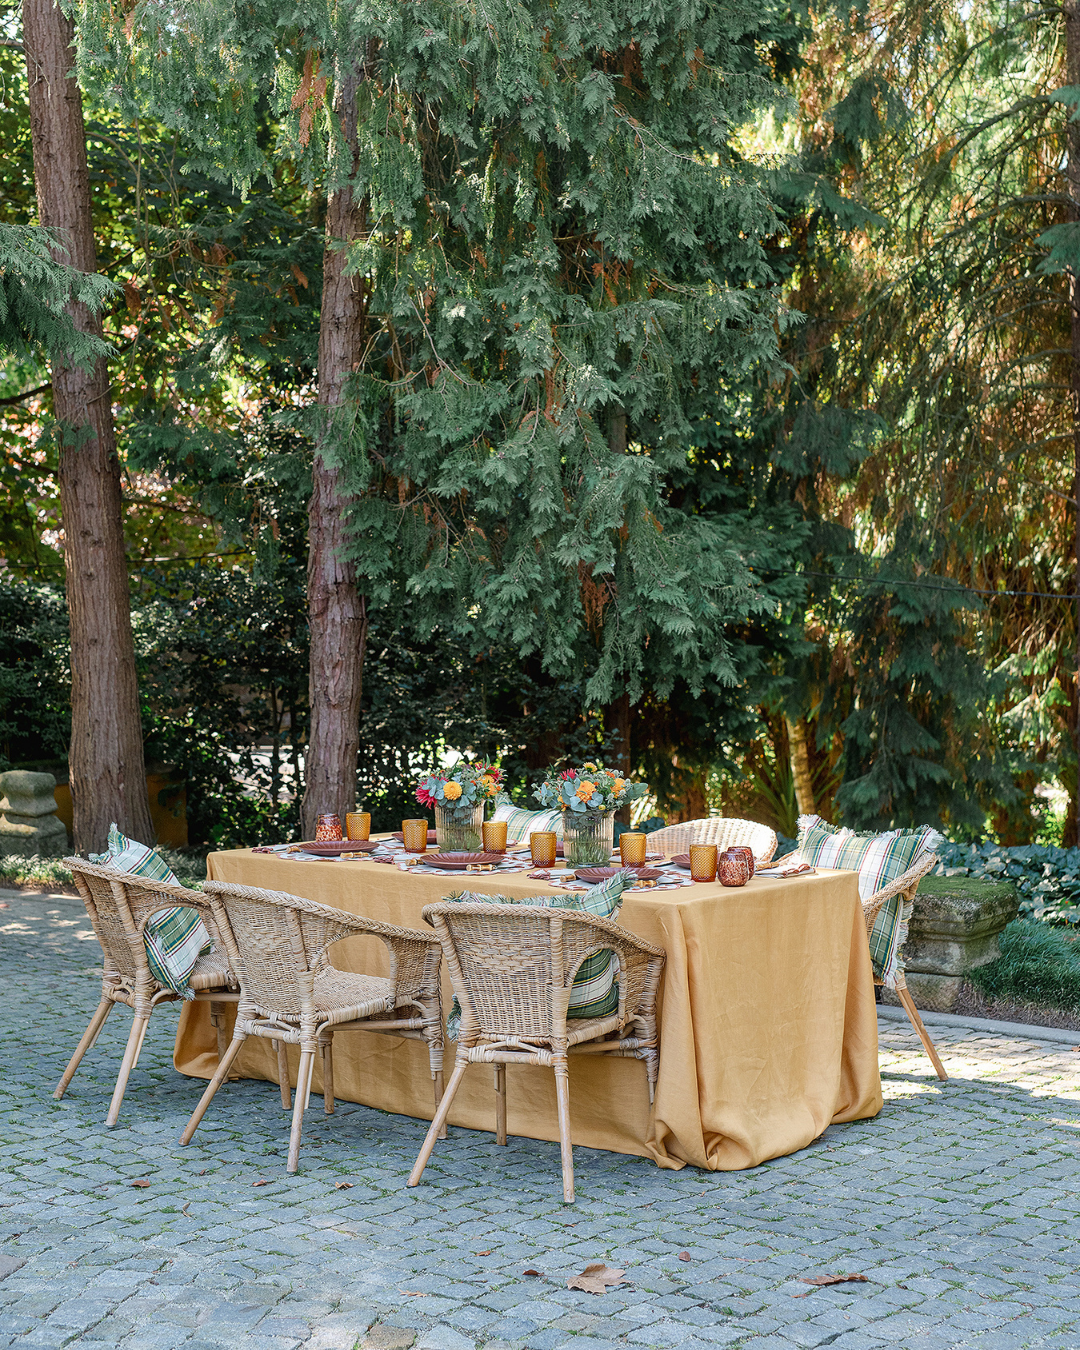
<point>340,992</point>
<point>211,971</point>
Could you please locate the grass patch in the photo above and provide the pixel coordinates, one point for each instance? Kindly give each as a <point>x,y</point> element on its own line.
<point>1039,964</point>
<point>47,874</point>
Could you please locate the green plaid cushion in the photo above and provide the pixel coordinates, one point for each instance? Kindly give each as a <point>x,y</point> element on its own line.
<point>595,991</point>
<point>174,937</point>
<point>521,823</point>
<point>879,859</point>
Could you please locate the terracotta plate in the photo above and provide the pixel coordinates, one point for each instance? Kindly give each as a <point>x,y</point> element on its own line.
<point>459,861</point>
<point>330,848</point>
<point>432,837</point>
<point>595,874</point>
<point>681,860</point>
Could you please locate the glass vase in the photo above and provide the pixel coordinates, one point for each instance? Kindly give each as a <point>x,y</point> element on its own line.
<point>588,838</point>
<point>459,828</point>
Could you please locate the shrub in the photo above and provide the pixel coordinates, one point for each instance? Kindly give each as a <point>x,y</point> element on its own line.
<point>1039,964</point>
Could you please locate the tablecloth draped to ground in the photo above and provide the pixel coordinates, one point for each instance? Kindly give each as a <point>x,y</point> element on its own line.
<point>768,1030</point>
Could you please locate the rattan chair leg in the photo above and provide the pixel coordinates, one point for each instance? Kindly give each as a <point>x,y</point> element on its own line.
<point>500,1104</point>
<point>924,1035</point>
<point>562,1097</point>
<point>328,1077</point>
<point>438,1124</point>
<point>437,1083</point>
<point>283,1074</point>
<point>217,1021</point>
<point>303,1086</point>
<point>131,1056</point>
<point>89,1036</point>
<point>221,1073</point>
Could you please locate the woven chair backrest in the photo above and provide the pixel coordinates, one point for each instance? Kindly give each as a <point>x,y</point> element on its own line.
<point>277,944</point>
<point>143,899</point>
<point>723,831</point>
<point>508,958</point>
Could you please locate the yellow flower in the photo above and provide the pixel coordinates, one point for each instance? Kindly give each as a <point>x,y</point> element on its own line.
<point>452,791</point>
<point>585,791</point>
<point>588,766</point>
<point>618,785</point>
<point>488,781</point>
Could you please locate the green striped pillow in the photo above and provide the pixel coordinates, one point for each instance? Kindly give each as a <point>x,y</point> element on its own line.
<point>521,823</point>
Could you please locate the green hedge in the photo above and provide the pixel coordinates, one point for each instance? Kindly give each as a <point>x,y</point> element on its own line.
<point>1039,964</point>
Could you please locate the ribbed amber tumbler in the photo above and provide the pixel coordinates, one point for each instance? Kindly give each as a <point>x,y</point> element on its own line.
<point>703,862</point>
<point>415,832</point>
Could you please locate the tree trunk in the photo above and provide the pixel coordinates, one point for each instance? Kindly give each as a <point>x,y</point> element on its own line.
<point>1072,147</point>
<point>337,615</point>
<point>800,765</point>
<point>108,776</point>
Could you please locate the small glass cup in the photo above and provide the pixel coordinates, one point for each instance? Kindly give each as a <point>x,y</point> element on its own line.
<point>732,869</point>
<point>703,862</point>
<point>415,832</point>
<point>542,848</point>
<point>327,829</point>
<point>493,833</point>
<point>358,825</point>
<point>632,848</point>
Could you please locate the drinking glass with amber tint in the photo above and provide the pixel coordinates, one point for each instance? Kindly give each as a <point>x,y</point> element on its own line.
<point>632,848</point>
<point>493,833</point>
<point>358,825</point>
<point>703,862</point>
<point>415,833</point>
<point>542,848</point>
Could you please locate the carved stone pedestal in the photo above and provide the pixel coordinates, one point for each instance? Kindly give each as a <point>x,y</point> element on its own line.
<point>954,928</point>
<point>29,825</point>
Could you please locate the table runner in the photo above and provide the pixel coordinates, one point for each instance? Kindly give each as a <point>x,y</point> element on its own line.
<point>768,1028</point>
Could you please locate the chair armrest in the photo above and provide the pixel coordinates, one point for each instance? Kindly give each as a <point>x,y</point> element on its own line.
<point>905,885</point>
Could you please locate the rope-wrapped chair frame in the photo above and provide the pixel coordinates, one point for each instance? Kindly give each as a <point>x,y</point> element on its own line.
<point>512,968</point>
<point>120,906</point>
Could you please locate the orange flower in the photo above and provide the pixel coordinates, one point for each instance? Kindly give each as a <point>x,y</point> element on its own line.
<point>585,791</point>
<point>618,785</point>
<point>452,791</point>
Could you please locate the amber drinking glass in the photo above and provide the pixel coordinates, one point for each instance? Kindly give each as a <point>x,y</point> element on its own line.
<point>358,825</point>
<point>327,829</point>
<point>493,833</point>
<point>632,848</point>
<point>703,862</point>
<point>542,848</point>
<point>415,832</point>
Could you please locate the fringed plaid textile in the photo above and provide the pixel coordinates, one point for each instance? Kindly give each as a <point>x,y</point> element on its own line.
<point>520,823</point>
<point>175,937</point>
<point>595,991</point>
<point>879,859</point>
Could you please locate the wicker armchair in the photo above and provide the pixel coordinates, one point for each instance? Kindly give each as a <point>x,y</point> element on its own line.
<point>723,831</point>
<point>512,968</point>
<point>119,906</point>
<point>905,887</point>
<point>291,993</point>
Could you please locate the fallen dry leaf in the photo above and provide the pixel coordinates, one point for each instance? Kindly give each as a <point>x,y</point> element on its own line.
<point>487,1253</point>
<point>343,1185</point>
<point>140,1183</point>
<point>530,1271</point>
<point>259,1183</point>
<point>595,1278</point>
<point>819,1280</point>
<point>685,1256</point>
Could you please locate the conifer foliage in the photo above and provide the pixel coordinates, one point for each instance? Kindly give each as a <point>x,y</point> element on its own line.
<point>551,242</point>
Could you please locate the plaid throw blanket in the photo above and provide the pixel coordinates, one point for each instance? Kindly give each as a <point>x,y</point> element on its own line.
<point>595,992</point>
<point>879,859</point>
<point>174,937</point>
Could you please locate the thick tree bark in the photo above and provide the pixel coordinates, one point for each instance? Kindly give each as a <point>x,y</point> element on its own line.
<point>800,765</point>
<point>108,777</point>
<point>1072,146</point>
<point>337,614</point>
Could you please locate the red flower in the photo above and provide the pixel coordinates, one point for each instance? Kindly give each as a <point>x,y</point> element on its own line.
<point>424,797</point>
<point>567,773</point>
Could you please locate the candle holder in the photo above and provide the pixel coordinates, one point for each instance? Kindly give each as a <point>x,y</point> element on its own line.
<point>748,854</point>
<point>414,835</point>
<point>733,869</point>
<point>358,825</point>
<point>494,836</point>
<point>703,862</point>
<point>327,829</point>
<point>542,848</point>
<point>632,848</point>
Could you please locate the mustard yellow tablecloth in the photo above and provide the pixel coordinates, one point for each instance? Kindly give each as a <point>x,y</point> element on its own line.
<point>768,1029</point>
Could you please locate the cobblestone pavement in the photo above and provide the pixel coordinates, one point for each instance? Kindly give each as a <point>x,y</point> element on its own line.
<point>960,1204</point>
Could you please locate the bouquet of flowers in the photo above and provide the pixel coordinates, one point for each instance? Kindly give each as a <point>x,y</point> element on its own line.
<point>468,784</point>
<point>590,788</point>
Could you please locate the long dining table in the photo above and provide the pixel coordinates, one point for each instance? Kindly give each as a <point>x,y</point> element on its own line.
<point>768,1026</point>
